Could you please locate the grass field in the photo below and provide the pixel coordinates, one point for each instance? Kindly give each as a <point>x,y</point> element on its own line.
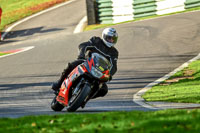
<point>184,87</point>
<point>165,121</point>
<point>14,10</point>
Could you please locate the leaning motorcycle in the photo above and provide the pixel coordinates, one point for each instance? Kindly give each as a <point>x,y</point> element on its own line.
<point>83,83</point>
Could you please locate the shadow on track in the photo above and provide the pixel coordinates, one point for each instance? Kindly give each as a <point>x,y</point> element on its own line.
<point>27,32</point>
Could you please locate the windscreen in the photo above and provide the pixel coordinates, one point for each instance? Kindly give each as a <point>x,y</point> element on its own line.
<point>101,62</point>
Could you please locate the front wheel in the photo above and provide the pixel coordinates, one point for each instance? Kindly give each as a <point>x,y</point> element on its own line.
<point>55,105</point>
<point>78,98</point>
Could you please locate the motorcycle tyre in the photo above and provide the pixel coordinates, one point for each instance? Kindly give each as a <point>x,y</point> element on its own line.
<point>55,105</point>
<point>79,99</point>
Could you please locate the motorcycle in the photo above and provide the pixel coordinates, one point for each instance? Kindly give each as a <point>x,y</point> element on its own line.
<point>83,83</point>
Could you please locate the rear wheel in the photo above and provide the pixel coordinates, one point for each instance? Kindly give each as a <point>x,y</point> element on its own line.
<point>55,105</point>
<point>78,97</point>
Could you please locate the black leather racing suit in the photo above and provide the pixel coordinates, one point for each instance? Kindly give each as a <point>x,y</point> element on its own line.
<point>95,44</point>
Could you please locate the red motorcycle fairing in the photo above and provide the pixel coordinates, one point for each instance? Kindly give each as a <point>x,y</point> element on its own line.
<point>106,75</point>
<point>90,63</point>
<point>63,95</point>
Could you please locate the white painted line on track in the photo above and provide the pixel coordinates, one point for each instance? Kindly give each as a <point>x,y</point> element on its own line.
<point>137,98</point>
<point>20,51</point>
<point>34,15</point>
<point>81,25</point>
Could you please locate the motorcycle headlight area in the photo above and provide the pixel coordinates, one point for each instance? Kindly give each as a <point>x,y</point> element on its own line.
<point>96,73</point>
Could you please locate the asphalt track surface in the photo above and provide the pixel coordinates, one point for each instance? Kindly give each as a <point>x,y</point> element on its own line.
<point>148,50</point>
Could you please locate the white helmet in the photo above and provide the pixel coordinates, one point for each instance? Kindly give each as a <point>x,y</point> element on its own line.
<point>109,36</point>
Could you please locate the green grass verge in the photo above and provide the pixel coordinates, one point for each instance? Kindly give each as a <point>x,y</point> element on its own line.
<point>1,54</point>
<point>176,121</point>
<point>14,10</point>
<point>183,87</point>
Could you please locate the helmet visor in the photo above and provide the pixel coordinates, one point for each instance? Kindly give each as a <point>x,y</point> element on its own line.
<point>111,39</point>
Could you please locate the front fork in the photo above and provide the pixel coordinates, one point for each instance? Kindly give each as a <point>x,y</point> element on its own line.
<point>93,92</point>
<point>97,90</point>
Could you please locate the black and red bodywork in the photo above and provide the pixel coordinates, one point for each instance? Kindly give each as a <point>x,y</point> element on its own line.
<point>93,71</point>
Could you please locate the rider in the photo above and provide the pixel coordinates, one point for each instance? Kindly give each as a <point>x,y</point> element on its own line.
<point>105,46</point>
